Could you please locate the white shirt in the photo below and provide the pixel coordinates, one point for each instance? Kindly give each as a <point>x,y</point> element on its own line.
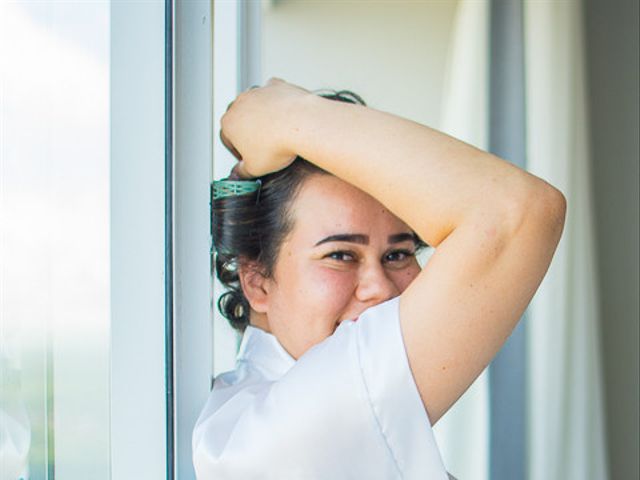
<point>347,409</point>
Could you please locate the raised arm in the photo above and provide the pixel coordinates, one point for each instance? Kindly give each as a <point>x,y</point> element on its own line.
<point>495,226</point>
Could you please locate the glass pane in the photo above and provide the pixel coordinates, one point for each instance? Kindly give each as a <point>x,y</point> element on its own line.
<point>54,240</point>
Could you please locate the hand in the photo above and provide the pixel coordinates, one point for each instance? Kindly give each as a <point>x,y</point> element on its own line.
<point>257,125</point>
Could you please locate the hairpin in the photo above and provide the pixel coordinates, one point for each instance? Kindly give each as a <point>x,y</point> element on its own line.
<point>231,188</point>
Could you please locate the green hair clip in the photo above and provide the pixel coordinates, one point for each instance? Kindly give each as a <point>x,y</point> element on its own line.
<point>231,188</point>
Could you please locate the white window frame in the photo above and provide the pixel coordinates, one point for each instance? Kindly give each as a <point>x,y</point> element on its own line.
<point>193,145</point>
<point>137,106</point>
<point>225,88</point>
<point>201,348</point>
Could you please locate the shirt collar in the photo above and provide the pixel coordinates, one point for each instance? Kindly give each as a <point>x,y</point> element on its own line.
<point>264,351</point>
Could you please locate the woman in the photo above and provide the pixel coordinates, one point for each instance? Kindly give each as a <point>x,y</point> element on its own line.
<point>351,352</point>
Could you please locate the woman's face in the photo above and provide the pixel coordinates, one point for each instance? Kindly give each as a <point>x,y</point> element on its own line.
<point>346,252</point>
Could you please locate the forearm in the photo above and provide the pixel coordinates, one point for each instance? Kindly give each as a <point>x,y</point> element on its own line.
<point>430,180</point>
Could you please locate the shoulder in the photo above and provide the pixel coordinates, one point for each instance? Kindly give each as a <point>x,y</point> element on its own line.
<point>347,405</point>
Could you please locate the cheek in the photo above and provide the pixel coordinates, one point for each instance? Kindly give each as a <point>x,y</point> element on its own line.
<point>307,309</point>
<point>330,289</point>
<point>404,277</point>
<point>317,290</point>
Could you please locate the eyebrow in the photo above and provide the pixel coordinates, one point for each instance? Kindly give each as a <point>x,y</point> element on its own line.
<point>364,239</point>
<point>403,237</point>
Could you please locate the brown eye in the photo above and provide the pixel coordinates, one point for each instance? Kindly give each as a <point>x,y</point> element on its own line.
<point>398,256</point>
<point>341,256</point>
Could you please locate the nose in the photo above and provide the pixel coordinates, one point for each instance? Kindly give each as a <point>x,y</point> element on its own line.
<point>375,285</point>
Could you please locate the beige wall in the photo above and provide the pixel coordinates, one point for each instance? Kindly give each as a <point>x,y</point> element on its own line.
<point>398,47</point>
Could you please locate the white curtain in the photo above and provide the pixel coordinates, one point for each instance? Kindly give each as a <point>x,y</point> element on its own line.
<point>565,428</point>
<point>463,433</point>
<point>566,417</point>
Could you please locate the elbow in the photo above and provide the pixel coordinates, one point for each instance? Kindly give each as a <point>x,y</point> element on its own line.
<point>545,208</point>
<point>558,207</point>
<point>551,206</point>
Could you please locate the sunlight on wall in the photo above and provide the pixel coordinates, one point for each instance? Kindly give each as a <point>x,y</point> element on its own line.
<point>393,54</point>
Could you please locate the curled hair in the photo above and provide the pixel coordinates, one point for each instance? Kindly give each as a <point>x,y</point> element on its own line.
<point>252,227</point>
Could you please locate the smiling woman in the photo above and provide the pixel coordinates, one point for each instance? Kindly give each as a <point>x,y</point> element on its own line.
<point>326,234</point>
<point>314,245</point>
<point>249,230</point>
<point>344,254</point>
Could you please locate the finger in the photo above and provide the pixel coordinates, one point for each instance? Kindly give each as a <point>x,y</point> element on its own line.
<point>233,174</point>
<point>225,141</point>
<point>252,87</point>
<point>275,80</point>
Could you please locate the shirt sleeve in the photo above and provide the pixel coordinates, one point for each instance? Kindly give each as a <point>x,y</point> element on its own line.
<point>348,409</point>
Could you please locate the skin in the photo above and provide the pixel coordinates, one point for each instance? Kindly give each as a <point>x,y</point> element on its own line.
<point>320,280</point>
<point>494,226</point>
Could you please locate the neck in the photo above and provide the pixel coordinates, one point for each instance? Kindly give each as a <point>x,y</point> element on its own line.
<point>259,320</point>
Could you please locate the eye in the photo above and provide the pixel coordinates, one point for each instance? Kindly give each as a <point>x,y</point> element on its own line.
<point>398,256</point>
<point>341,256</point>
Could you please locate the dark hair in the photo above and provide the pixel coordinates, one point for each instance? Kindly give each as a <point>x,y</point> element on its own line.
<point>251,227</point>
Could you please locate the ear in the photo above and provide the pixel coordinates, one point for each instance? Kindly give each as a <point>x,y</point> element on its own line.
<point>254,286</point>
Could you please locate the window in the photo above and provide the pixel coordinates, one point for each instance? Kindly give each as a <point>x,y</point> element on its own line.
<point>54,240</point>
